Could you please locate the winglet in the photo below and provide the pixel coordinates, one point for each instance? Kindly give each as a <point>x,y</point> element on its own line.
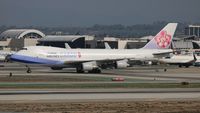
<point>163,39</point>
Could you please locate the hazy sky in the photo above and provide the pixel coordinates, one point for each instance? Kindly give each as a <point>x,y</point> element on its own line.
<point>90,12</point>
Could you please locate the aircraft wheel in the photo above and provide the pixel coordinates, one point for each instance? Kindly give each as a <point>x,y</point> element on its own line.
<point>28,70</point>
<point>98,70</point>
<point>95,71</point>
<point>187,66</point>
<point>79,70</point>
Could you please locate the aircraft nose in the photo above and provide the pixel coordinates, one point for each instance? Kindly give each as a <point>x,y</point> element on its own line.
<point>13,57</point>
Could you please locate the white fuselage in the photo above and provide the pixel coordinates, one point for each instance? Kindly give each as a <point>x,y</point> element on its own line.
<point>53,55</point>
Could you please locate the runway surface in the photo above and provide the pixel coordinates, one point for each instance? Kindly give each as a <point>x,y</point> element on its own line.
<point>103,95</point>
<point>134,74</point>
<point>44,75</point>
<point>97,91</point>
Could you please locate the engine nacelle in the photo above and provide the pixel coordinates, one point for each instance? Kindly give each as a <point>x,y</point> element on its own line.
<point>121,64</point>
<point>87,66</point>
<point>56,68</point>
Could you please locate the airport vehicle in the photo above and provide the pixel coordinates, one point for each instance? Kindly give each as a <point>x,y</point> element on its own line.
<point>180,60</point>
<point>93,60</point>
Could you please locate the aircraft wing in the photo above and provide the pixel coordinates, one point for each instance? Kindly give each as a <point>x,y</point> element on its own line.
<point>98,62</point>
<point>162,54</point>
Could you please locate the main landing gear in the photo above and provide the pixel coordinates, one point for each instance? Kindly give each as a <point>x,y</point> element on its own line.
<point>80,70</point>
<point>96,70</point>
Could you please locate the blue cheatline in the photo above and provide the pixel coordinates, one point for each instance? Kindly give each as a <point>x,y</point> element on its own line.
<point>33,60</point>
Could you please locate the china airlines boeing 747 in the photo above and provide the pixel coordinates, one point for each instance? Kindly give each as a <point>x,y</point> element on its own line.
<point>93,60</point>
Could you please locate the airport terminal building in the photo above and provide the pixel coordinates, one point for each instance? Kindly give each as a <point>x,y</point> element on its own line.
<point>193,30</point>
<point>74,41</point>
<point>15,39</point>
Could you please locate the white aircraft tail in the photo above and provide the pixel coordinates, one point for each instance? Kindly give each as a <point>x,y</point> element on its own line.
<point>107,46</point>
<point>67,46</point>
<point>163,39</point>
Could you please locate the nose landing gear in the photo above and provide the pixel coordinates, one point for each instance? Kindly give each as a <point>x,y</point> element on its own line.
<point>28,69</point>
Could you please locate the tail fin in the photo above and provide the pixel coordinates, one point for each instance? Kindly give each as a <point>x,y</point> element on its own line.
<point>107,46</point>
<point>163,39</point>
<point>67,46</point>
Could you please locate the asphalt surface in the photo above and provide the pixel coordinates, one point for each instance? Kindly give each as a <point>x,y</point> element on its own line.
<point>97,91</point>
<point>138,74</point>
<point>100,96</point>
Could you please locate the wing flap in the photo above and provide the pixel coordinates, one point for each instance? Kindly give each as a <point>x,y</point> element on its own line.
<point>162,54</point>
<point>99,62</point>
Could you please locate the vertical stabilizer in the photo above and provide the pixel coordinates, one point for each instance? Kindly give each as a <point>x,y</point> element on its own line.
<point>67,46</point>
<point>107,46</point>
<point>163,39</point>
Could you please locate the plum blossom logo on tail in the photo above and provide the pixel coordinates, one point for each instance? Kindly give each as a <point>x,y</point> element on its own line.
<point>163,39</point>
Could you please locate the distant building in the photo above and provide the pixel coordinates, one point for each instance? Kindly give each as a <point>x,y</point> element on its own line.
<point>74,41</point>
<point>125,43</point>
<point>15,39</point>
<point>193,30</point>
<point>182,44</point>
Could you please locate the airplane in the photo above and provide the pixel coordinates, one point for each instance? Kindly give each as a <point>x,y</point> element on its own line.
<point>180,60</point>
<point>93,60</point>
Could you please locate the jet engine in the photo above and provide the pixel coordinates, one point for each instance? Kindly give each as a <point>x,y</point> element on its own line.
<point>121,64</point>
<point>87,66</point>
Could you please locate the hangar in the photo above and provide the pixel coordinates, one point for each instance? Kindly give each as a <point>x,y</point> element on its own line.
<point>117,43</point>
<point>21,33</point>
<point>15,39</point>
<point>74,41</point>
